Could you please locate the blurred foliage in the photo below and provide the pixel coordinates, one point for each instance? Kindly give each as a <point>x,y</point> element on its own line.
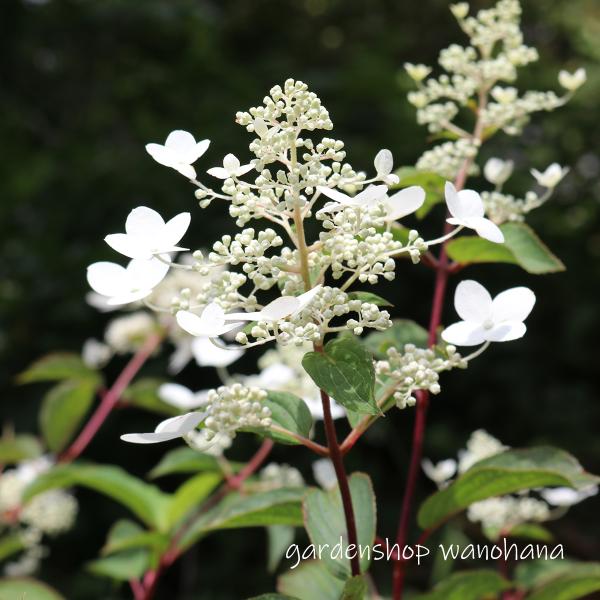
<point>84,85</point>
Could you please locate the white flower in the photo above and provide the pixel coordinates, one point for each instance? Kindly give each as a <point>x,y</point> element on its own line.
<point>551,177</point>
<point>466,208</point>
<point>368,197</point>
<point>564,496</point>
<point>324,473</point>
<point>129,332</point>
<point>460,10</point>
<point>99,302</point>
<point>440,472</point>
<point>497,171</point>
<point>487,320</point>
<point>384,164</point>
<point>95,354</point>
<point>404,202</point>
<point>417,72</point>
<point>122,285</point>
<point>231,168</point>
<point>179,152</point>
<point>169,429</point>
<point>281,307</point>
<point>147,234</point>
<point>572,81</point>
<point>208,354</point>
<point>504,95</point>
<point>181,397</point>
<point>211,323</point>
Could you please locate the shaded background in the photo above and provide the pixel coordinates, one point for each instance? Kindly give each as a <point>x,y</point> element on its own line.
<point>84,85</point>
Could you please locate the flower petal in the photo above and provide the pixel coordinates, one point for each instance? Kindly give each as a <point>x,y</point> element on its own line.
<point>130,246</point>
<point>208,354</point>
<point>464,333</point>
<point>161,155</point>
<point>452,200</point>
<point>181,424</point>
<point>335,195</point>
<point>280,308</point>
<point>107,278</point>
<point>373,193</point>
<point>506,332</point>
<point>404,202</point>
<point>384,162</point>
<point>197,151</point>
<point>180,141</point>
<point>307,297</point>
<point>514,304</point>
<point>243,169</point>
<point>186,170</point>
<point>231,162</point>
<point>219,172</point>
<point>144,222</point>
<point>177,395</point>
<point>485,229</point>
<point>146,274</point>
<point>192,323</point>
<point>175,229</point>
<point>128,298</point>
<point>148,438</point>
<point>471,204</point>
<point>472,301</point>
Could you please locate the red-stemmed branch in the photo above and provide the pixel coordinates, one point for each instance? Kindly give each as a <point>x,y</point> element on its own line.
<point>111,398</point>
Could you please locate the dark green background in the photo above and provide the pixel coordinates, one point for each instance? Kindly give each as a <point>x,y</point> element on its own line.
<point>85,84</point>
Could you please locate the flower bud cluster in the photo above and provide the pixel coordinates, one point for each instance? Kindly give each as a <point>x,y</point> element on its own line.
<point>447,159</point>
<point>275,476</point>
<point>506,512</point>
<point>235,407</point>
<point>225,291</point>
<point>128,333</point>
<point>501,208</point>
<point>416,369</point>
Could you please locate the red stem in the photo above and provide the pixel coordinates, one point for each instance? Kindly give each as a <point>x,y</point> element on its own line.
<point>110,399</point>
<point>338,464</point>
<point>442,272</point>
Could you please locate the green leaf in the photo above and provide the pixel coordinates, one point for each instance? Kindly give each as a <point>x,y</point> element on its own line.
<point>468,585</point>
<point>276,507</point>
<point>14,449</point>
<point>190,495</point>
<point>325,523</point>
<point>26,589</point>
<point>280,537</point>
<point>531,531</point>
<point>143,393</point>
<point>10,544</point>
<point>345,371</point>
<point>355,588</point>
<point>521,247</point>
<point>144,500</point>
<point>56,367</point>
<point>432,183</point>
<point>370,298</point>
<point>505,473</point>
<point>123,566</point>
<point>186,460</point>
<point>63,409</point>
<point>580,580</point>
<point>290,412</point>
<point>310,581</point>
<point>402,332</point>
<point>127,535</point>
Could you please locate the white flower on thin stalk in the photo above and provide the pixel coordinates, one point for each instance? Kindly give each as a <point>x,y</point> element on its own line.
<point>280,308</point>
<point>167,430</point>
<point>231,168</point>
<point>122,285</point>
<point>147,234</point>
<point>564,496</point>
<point>487,320</point>
<point>572,81</point>
<point>466,208</point>
<point>179,152</point>
<point>181,397</point>
<point>384,165</point>
<point>210,324</point>
<point>497,171</point>
<point>551,177</point>
<point>208,354</point>
<point>440,472</point>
